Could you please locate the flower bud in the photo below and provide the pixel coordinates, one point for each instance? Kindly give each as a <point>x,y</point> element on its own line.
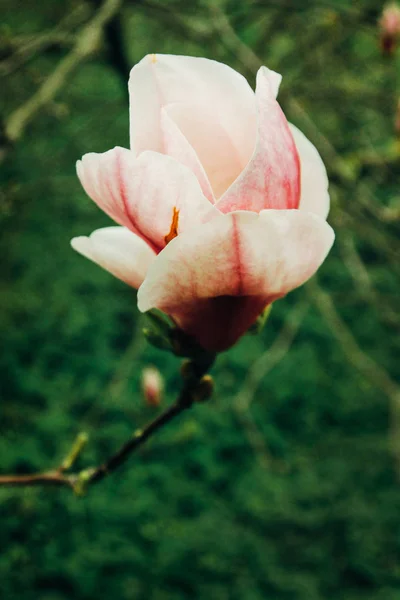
<point>204,389</point>
<point>389,28</point>
<point>152,386</point>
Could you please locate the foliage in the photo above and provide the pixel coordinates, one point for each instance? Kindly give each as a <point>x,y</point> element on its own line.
<point>286,486</point>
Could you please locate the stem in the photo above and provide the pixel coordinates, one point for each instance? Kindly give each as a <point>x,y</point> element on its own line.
<point>81,480</point>
<point>184,402</point>
<point>55,478</point>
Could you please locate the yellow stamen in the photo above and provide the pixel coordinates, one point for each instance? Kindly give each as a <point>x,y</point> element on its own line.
<point>173,232</point>
<point>153,58</point>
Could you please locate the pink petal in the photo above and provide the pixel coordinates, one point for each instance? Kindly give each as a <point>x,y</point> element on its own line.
<point>178,147</point>
<point>314,179</point>
<point>212,87</point>
<point>100,176</point>
<point>142,193</point>
<point>213,145</point>
<point>216,280</point>
<point>272,177</point>
<point>118,251</point>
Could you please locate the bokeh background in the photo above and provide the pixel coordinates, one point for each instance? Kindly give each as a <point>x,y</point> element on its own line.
<point>287,485</point>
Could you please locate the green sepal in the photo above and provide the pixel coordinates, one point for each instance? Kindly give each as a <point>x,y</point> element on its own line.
<point>164,334</point>
<point>160,323</point>
<point>157,340</point>
<point>158,334</point>
<point>259,324</point>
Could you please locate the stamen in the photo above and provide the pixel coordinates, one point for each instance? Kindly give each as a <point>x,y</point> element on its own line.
<point>173,232</point>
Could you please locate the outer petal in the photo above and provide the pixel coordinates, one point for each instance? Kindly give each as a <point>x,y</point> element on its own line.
<point>272,177</point>
<point>314,179</point>
<point>159,80</point>
<point>119,251</point>
<point>216,280</point>
<point>141,193</point>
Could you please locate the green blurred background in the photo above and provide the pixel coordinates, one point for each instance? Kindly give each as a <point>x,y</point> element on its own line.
<point>287,485</point>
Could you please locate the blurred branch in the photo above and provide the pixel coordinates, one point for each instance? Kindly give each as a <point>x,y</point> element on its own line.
<point>359,273</point>
<point>193,390</point>
<point>261,367</point>
<point>26,52</point>
<point>232,41</point>
<point>176,21</point>
<point>56,477</point>
<point>271,357</point>
<point>372,372</point>
<point>24,48</point>
<point>338,166</point>
<point>87,41</point>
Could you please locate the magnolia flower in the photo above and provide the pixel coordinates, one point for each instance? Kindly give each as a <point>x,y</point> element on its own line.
<point>221,203</point>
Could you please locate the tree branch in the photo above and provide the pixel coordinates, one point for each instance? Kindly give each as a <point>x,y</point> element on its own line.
<point>196,388</point>
<point>53,478</point>
<point>86,43</point>
<point>25,48</point>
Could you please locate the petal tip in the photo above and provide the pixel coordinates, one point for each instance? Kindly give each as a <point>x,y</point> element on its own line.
<point>142,302</point>
<point>272,79</point>
<point>80,244</point>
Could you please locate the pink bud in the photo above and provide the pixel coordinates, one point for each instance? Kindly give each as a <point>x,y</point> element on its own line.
<point>389,28</point>
<point>152,386</point>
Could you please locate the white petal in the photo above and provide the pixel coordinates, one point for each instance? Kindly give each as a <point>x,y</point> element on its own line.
<point>210,86</point>
<point>314,179</point>
<point>118,251</point>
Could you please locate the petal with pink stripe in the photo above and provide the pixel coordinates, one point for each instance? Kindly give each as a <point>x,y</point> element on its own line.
<point>216,280</point>
<point>271,179</point>
<point>144,193</point>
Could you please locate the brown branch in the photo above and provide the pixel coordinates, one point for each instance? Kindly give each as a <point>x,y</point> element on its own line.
<point>53,478</point>
<point>192,392</point>
<point>185,401</point>
<point>87,41</point>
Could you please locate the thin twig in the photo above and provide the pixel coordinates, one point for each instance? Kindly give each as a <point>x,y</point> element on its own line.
<point>80,481</point>
<point>184,402</point>
<point>271,357</point>
<point>232,41</point>
<point>263,365</point>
